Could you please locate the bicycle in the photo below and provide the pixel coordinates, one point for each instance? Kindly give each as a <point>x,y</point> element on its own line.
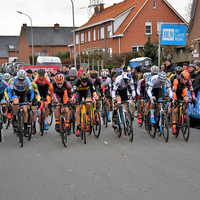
<point>41,119</point>
<point>104,113</point>
<point>183,120</point>
<point>161,121</point>
<point>30,123</point>
<point>72,118</point>
<point>1,121</point>
<point>142,113</point>
<point>63,131</point>
<point>95,122</point>
<point>50,115</point>
<point>122,116</point>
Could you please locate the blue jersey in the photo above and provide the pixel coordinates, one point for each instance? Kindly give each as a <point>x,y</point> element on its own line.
<point>3,85</point>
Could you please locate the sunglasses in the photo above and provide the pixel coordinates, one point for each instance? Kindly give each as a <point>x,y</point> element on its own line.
<point>104,78</point>
<point>21,80</point>
<point>59,83</point>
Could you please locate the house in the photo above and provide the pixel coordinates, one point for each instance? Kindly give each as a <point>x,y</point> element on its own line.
<point>194,29</point>
<point>8,48</point>
<point>124,27</point>
<point>47,41</point>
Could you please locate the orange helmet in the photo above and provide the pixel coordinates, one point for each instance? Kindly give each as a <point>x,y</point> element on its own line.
<point>59,78</point>
<point>185,75</point>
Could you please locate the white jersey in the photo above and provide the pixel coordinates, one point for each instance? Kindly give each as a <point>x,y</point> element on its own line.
<point>20,86</point>
<point>107,83</point>
<point>120,85</point>
<point>154,83</point>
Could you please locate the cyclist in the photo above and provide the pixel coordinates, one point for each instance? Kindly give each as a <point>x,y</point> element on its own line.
<point>157,88</point>
<point>17,93</point>
<point>59,91</point>
<point>72,76</point>
<point>3,88</point>
<point>180,92</point>
<point>120,87</point>
<point>83,87</point>
<point>43,83</point>
<point>7,77</point>
<point>178,72</point>
<point>108,89</point>
<point>36,100</point>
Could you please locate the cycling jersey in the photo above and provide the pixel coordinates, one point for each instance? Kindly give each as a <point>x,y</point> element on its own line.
<point>98,86</point>
<point>3,85</point>
<point>107,83</point>
<point>44,82</point>
<point>120,85</point>
<point>72,82</point>
<point>79,87</point>
<point>154,83</point>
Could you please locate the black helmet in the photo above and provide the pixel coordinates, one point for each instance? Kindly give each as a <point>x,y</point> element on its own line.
<point>179,70</point>
<point>94,74</point>
<point>41,71</point>
<point>144,70</point>
<point>84,77</point>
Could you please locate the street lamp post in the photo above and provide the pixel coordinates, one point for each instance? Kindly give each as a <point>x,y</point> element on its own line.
<point>31,34</point>
<point>74,36</point>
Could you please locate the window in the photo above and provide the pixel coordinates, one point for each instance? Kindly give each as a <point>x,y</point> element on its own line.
<point>77,39</point>
<point>109,31</point>
<point>88,36</point>
<point>41,53</point>
<point>98,36</point>
<point>11,46</point>
<point>102,32</point>
<point>110,51</point>
<point>94,35</point>
<point>154,4</point>
<point>137,48</point>
<point>82,38</point>
<point>158,26</point>
<point>85,36</point>
<point>148,28</point>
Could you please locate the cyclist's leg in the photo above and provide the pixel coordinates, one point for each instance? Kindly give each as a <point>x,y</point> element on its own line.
<point>66,108</point>
<point>79,96</point>
<point>185,98</point>
<point>107,92</point>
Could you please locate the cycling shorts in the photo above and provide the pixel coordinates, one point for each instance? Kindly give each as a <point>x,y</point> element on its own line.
<point>107,93</point>
<point>22,96</point>
<point>81,94</point>
<point>122,94</point>
<point>158,93</point>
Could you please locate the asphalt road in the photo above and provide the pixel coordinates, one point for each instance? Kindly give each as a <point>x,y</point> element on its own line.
<point>107,168</point>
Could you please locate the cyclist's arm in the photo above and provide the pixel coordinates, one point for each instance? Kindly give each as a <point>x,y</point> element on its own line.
<point>132,88</point>
<point>175,86</point>
<point>139,86</point>
<point>191,89</point>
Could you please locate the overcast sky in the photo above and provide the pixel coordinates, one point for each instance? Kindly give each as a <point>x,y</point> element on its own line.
<point>49,12</point>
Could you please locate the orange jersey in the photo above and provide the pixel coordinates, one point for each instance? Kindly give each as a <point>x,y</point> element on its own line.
<point>45,81</point>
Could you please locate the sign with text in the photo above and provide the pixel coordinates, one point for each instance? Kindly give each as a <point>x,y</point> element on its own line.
<point>173,34</point>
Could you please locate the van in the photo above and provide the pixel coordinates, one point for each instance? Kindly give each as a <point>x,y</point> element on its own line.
<point>48,60</point>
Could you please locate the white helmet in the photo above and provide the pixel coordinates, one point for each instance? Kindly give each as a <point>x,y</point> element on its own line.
<point>104,74</point>
<point>126,77</point>
<point>155,69</point>
<point>6,76</point>
<point>162,77</point>
<point>21,74</point>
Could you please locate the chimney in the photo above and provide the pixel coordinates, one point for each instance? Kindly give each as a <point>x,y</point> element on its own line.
<point>24,26</point>
<point>56,26</point>
<point>101,7</point>
<point>96,9</point>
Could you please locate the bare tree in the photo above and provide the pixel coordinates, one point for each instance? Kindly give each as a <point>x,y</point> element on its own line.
<point>188,10</point>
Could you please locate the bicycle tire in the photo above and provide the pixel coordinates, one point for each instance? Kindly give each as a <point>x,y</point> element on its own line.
<point>50,117</point>
<point>116,127</point>
<point>63,132</point>
<point>128,126</point>
<point>73,120</point>
<point>21,136</point>
<point>30,125</point>
<point>97,124</point>
<point>165,127</point>
<point>84,129</point>
<point>150,127</point>
<point>41,123</point>
<point>105,115</point>
<point>185,127</point>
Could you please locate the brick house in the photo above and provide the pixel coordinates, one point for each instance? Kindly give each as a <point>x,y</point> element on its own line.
<point>47,41</point>
<point>8,48</point>
<point>194,29</point>
<point>124,27</point>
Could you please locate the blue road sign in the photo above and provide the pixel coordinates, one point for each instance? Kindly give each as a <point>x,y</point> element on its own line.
<point>172,34</point>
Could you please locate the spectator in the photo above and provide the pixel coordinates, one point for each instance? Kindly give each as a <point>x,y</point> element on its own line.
<point>168,66</point>
<point>192,71</point>
<point>81,70</point>
<point>64,71</point>
<point>148,68</point>
<point>30,73</point>
<point>195,61</point>
<point>58,71</point>
<point>52,77</point>
<point>162,67</point>
<point>196,84</point>
<point>121,68</point>
<point>185,67</point>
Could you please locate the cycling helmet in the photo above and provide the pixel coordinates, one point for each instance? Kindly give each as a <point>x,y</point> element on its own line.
<point>113,70</point>
<point>21,74</point>
<point>84,77</point>
<point>162,77</point>
<point>41,71</point>
<point>154,69</point>
<point>6,76</point>
<point>145,75</point>
<point>126,77</point>
<point>93,74</point>
<point>143,70</point>
<point>73,71</point>
<point>1,76</point>
<point>104,74</point>
<point>6,69</point>
<point>185,75</point>
<point>59,78</point>
<point>179,70</point>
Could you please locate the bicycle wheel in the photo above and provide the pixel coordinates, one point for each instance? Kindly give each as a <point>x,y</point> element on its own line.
<point>63,132</point>
<point>116,124</point>
<point>72,115</point>
<point>41,122</point>
<point>105,115</point>
<point>185,128</point>
<point>21,127</point>
<point>96,124</point>
<point>30,125</point>
<point>165,127</point>
<point>50,117</point>
<point>83,136</point>
<point>128,126</point>
<point>150,127</point>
